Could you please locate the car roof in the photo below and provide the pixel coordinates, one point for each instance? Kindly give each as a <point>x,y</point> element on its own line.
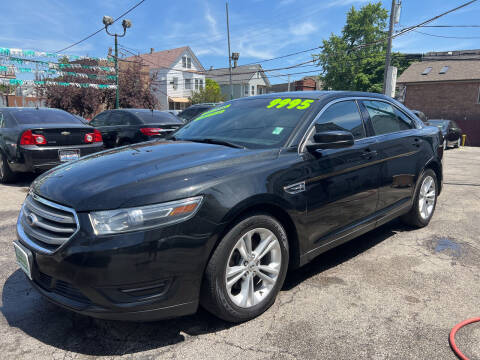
<point>321,94</point>
<point>135,110</point>
<point>27,109</point>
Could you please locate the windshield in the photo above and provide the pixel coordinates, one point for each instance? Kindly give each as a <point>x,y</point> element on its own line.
<point>43,116</point>
<point>251,123</point>
<point>157,117</point>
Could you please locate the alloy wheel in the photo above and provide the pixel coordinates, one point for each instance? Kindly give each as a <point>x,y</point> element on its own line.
<point>253,267</point>
<point>426,197</point>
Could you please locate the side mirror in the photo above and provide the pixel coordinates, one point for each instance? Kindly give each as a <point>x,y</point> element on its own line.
<point>331,140</point>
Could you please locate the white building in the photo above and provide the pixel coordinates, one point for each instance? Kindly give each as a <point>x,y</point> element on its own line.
<point>247,80</point>
<point>177,73</point>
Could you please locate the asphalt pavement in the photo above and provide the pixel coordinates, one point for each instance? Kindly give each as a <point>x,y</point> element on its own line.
<point>393,293</point>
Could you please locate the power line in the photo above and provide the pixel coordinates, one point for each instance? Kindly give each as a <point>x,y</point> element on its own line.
<point>447,37</point>
<point>452,26</point>
<point>99,30</point>
<point>283,56</point>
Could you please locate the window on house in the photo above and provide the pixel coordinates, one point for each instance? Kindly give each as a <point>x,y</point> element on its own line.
<point>253,90</point>
<point>201,84</point>
<point>174,82</point>
<point>189,63</point>
<point>444,70</point>
<point>260,91</point>
<point>196,84</point>
<point>184,61</point>
<point>246,90</point>
<point>188,84</point>
<point>427,70</point>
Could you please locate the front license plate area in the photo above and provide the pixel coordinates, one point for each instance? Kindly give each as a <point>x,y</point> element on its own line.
<point>24,259</point>
<point>68,155</point>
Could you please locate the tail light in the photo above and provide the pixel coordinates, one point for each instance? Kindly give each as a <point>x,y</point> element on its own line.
<point>94,137</point>
<point>28,138</point>
<point>151,131</point>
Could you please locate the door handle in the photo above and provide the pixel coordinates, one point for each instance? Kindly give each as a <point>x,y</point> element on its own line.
<point>369,154</point>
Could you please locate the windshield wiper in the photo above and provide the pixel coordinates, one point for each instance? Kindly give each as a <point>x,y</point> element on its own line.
<point>217,142</point>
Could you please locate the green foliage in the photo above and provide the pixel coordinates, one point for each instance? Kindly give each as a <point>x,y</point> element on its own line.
<point>7,89</point>
<point>211,93</point>
<point>346,63</point>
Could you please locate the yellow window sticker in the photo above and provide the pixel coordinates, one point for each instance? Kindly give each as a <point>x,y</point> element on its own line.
<point>215,111</point>
<point>299,104</point>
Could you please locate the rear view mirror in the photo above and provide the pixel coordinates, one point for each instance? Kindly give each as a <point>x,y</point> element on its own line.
<point>331,140</point>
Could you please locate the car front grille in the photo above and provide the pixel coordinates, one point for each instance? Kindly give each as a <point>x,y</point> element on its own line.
<point>61,288</point>
<point>46,224</point>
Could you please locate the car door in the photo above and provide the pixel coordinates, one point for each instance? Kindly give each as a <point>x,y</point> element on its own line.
<point>8,135</point>
<point>120,129</point>
<point>100,123</point>
<point>341,186</point>
<point>401,151</point>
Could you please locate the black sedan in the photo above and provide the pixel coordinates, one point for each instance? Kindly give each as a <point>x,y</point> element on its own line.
<point>193,111</point>
<point>129,126</point>
<point>37,139</point>
<point>452,134</point>
<point>217,214</point>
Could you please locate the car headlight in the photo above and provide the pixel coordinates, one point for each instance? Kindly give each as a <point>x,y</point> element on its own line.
<point>144,217</point>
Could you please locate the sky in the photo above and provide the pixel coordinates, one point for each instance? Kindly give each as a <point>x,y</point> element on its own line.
<point>259,29</point>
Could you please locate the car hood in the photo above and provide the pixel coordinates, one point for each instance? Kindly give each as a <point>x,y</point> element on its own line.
<point>145,173</point>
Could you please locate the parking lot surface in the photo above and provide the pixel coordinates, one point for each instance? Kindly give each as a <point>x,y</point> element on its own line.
<point>393,293</point>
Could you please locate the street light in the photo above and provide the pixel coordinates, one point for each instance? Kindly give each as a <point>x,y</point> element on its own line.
<point>107,21</point>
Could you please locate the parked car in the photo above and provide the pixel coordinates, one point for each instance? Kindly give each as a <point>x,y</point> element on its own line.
<point>193,111</point>
<point>130,126</point>
<point>173,112</point>
<point>218,213</point>
<point>452,134</point>
<point>37,139</point>
<point>420,115</point>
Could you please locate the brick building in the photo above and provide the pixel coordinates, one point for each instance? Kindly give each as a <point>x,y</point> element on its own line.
<point>445,88</point>
<point>308,83</point>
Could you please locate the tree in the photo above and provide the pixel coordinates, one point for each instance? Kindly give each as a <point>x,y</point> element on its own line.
<point>356,59</point>
<point>135,89</point>
<point>211,93</point>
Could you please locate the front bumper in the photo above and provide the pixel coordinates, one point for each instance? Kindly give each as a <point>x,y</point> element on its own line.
<point>138,276</point>
<point>34,158</point>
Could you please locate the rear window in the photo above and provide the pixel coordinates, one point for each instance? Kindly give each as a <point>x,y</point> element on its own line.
<point>157,117</point>
<point>190,113</point>
<point>42,116</point>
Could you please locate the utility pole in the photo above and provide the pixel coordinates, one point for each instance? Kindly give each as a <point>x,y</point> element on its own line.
<point>107,21</point>
<point>229,53</point>
<point>288,82</point>
<point>389,46</point>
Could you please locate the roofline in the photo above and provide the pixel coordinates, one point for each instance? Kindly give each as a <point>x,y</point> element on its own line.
<point>437,81</point>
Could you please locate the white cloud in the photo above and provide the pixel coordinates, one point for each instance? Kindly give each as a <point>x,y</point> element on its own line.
<point>303,29</point>
<point>335,3</point>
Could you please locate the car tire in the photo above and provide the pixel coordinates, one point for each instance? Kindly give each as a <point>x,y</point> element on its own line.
<point>6,174</point>
<point>445,144</point>
<point>229,277</point>
<point>457,145</point>
<point>424,202</point>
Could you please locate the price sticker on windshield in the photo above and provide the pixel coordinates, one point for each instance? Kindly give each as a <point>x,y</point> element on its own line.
<point>299,104</point>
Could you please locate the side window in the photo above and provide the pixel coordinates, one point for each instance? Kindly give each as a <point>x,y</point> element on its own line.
<point>342,116</point>
<point>386,118</point>
<point>119,118</point>
<point>100,119</point>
